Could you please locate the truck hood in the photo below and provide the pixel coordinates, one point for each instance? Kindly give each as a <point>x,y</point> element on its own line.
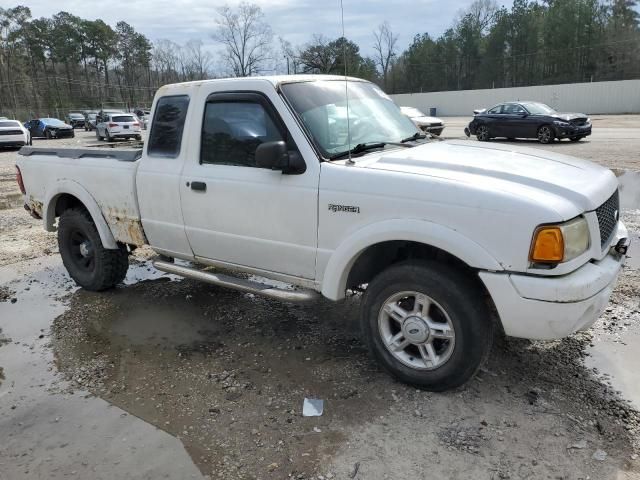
<point>584,183</point>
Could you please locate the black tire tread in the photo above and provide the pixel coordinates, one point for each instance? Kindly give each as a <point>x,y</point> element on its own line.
<point>114,263</point>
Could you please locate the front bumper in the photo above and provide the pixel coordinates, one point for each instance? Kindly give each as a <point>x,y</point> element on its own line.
<point>569,131</point>
<point>545,308</point>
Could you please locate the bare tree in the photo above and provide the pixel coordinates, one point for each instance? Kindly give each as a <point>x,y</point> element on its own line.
<point>385,48</point>
<point>246,36</point>
<point>198,60</point>
<point>481,13</point>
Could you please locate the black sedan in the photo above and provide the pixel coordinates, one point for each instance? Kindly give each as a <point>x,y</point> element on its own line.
<point>528,120</point>
<point>49,128</point>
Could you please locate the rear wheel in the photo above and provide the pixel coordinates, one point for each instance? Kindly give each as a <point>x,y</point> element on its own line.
<point>47,133</point>
<point>108,137</point>
<point>482,133</point>
<point>92,266</point>
<point>427,324</point>
<point>545,134</point>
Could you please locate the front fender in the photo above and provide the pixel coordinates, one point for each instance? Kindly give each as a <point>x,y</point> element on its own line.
<point>74,188</point>
<point>335,276</point>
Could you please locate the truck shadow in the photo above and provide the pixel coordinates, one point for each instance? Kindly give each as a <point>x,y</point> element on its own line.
<point>227,373</point>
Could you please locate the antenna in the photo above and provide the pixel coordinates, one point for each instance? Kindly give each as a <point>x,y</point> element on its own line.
<point>346,83</point>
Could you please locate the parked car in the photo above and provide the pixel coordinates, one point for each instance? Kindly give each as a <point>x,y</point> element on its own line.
<point>143,116</point>
<point>49,128</point>
<point>528,120</point>
<point>118,125</point>
<point>90,121</point>
<point>75,119</point>
<point>432,125</point>
<point>443,237</point>
<point>13,134</point>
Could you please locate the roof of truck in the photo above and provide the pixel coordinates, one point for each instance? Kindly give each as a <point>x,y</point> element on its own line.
<point>274,79</point>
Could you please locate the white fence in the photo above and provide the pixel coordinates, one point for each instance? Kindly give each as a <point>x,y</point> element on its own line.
<point>591,98</point>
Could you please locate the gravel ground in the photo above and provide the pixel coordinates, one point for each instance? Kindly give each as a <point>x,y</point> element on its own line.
<point>226,374</point>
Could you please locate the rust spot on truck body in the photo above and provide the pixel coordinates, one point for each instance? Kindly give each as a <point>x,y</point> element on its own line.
<point>35,207</point>
<point>125,229</point>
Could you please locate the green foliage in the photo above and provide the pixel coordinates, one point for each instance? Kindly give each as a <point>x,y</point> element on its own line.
<point>532,43</point>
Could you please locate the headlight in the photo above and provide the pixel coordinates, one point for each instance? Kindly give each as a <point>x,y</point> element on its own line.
<point>588,119</point>
<point>560,122</point>
<point>561,242</point>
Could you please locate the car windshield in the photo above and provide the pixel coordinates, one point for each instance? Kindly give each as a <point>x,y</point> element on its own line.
<point>52,121</point>
<point>412,112</point>
<point>75,115</point>
<point>539,108</point>
<point>9,124</point>
<point>372,115</point>
<point>123,118</point>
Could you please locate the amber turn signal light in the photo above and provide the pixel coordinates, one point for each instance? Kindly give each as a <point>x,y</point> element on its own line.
<point>547,245</point>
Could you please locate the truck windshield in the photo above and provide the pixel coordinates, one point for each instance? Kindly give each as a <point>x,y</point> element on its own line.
<point>322,107</point>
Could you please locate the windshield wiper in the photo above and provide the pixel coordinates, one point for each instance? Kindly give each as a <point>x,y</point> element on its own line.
<point>415,136</point>
<point>364,147</point>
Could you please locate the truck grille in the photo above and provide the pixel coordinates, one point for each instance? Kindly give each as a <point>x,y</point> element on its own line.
<point>10,132</point>
<point>607,214</point>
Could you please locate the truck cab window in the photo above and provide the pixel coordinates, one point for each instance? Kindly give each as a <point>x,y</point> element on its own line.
<point>232,131</point>
<point>168,123</point>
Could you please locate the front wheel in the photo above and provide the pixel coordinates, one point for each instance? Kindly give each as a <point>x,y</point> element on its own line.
<point>48,135</point>
<point>545,134</point>
<point>92,266</point>
<point>427,324</point>
<point>482,133</point>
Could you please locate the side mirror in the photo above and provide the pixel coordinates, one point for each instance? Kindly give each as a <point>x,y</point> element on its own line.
<point>272,155</point>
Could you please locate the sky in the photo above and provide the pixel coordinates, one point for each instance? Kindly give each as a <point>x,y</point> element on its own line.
<point>294,20</point>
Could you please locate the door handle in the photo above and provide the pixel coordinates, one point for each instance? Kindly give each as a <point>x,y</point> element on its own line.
<point>199,186</point>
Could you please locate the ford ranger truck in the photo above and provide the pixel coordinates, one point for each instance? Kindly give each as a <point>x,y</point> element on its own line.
<point>289,178</point>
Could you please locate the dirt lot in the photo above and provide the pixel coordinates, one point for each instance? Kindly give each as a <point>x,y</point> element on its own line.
<point>169,378</point>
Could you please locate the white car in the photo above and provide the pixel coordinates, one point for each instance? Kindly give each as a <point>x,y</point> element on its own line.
<point>259,176</point>
<point>13,134</point>
<point>432,125</point>
<point>118,125</point>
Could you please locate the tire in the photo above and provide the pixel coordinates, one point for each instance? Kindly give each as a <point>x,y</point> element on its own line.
<point>107,137</point>
<point>457,311</point>
<point>47,134</point>
<point>91,266</point>
<point>576,139</point>
<point>482,133</point>
<point>98,136</point>
<point>546,134</point>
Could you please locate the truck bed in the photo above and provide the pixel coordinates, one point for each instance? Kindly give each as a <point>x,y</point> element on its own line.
<point>106,176</point>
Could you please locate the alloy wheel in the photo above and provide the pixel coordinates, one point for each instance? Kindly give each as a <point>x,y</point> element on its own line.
<point>416,330</point>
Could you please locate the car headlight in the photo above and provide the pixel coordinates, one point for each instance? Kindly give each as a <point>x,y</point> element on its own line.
<point>561,242</point>
<point>588,119</point>
<point>560,122</point>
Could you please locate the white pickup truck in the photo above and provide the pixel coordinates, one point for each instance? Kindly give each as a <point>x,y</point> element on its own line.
<point>267,176</point>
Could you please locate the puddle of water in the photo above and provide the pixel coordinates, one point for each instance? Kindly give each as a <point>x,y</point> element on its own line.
<point>619,360</point>
<point>46,429</point>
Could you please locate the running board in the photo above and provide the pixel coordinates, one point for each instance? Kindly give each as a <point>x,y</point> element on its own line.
<point>237,283</point>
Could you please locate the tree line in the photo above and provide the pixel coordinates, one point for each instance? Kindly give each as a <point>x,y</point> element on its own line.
<point>50,65</point>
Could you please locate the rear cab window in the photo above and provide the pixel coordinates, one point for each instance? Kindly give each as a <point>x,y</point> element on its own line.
<point>165,138</point>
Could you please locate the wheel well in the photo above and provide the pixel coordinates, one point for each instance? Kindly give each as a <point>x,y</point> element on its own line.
<point>65,202</point>
<point>376,258</point>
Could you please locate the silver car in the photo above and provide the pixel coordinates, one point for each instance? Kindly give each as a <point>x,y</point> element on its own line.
<point>432,125</point>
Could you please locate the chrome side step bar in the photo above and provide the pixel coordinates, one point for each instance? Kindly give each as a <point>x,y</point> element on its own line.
<point>236,283</point>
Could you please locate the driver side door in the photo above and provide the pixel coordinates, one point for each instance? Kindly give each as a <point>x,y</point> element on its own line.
<point>236,213</point>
